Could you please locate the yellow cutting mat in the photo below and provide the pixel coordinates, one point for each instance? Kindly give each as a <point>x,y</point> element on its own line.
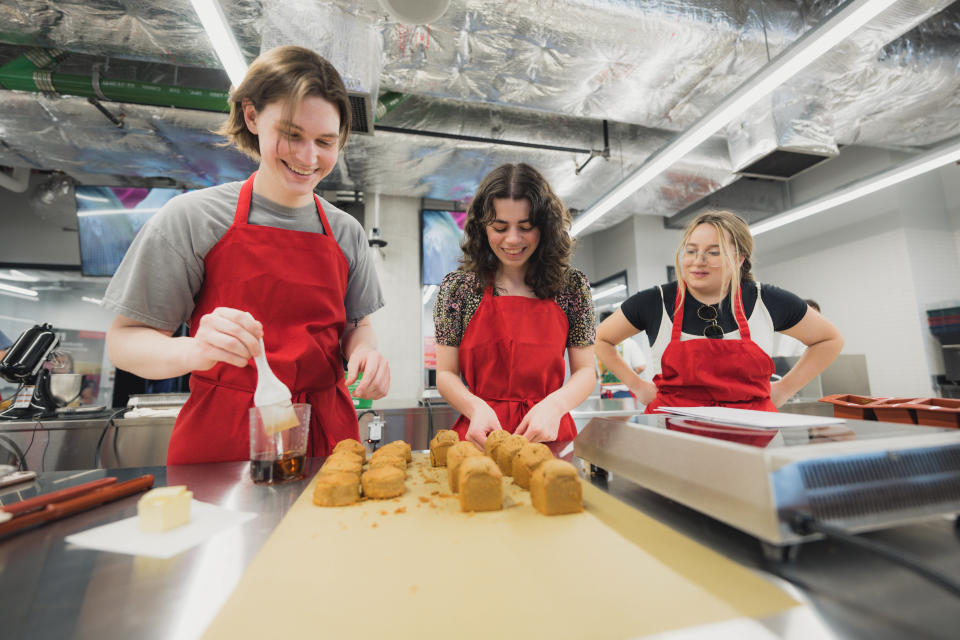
<point>417,567</point>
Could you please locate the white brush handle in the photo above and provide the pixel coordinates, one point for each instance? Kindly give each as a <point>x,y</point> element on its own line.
<point>270,390</point>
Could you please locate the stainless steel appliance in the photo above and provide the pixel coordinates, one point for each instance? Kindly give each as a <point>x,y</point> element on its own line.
<point>857,475</point>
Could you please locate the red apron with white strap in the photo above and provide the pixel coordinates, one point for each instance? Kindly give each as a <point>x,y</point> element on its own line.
<point>511,356</point>
<point>704,372</point>
<point>294,283</point>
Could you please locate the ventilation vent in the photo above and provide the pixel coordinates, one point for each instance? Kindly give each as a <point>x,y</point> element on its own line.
<point>781,164</point>
<point>943,493</point>
<point>361,113</point>
<point>886,483</point>
<point>900,465</point>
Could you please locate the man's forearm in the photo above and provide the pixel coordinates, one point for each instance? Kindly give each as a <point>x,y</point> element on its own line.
<point>146,352</point>
<point>354,337</point>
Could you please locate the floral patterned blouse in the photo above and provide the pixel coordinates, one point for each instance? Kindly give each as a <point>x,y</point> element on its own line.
<point>458,300</point>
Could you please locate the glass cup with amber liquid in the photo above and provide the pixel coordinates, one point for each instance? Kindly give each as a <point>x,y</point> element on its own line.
<point>278,457</point>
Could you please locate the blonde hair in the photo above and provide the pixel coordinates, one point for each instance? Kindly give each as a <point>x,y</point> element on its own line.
<point>733,231</point>
<point>284,73</point>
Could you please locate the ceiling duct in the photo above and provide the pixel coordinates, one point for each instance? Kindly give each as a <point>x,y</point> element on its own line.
<point>351,44</point>
<point>780,137</point>
<point>17,179</point>
<point>749,198</point>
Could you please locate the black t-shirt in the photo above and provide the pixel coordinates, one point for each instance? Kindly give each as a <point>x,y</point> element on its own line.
<point>645,308</point>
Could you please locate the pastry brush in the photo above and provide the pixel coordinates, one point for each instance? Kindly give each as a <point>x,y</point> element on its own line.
<point>272,398</point>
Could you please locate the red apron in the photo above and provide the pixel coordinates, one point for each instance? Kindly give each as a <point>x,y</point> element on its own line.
<point>511,356</point>
<point>703,372</point>
<point>294,283</point>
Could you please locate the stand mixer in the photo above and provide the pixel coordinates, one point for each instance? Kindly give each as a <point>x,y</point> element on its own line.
<point>41,392</point>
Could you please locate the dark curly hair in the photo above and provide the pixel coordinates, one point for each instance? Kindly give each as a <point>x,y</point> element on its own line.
<point>549,266</point>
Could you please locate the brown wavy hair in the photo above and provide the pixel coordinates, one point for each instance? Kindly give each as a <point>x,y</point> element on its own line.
<point>287,73</point>
<point>549,266</point>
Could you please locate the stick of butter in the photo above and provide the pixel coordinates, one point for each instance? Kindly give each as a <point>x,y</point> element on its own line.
<point>164,508</point>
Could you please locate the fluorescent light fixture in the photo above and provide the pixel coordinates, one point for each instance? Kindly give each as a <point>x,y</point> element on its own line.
<point>606,293</point>
<point>928,161</point>
<point>221,37</point>
<point>82,196</point>
<point>428,290</point>
<point>18,276</point>
<point>113,212</point>
<point>9,288</point>
<point>807,48</point>
<point>95,301</point>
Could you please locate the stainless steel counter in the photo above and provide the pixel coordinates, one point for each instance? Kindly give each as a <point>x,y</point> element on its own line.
<point>61,445</point>
<point>58,445</point>
<point>49,589</point>
<point>852,594</point>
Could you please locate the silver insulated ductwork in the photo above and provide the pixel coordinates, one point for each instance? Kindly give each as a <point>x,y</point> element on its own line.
<point>350,43</point>
<point>543,72</point>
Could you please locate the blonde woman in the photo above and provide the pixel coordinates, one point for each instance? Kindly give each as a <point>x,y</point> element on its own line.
<point>711,333</point>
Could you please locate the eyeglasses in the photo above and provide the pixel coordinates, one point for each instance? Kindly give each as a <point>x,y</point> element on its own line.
<point>710,256</point>
<point>709,313</point>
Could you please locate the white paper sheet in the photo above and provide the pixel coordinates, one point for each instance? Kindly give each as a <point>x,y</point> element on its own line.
<point>124,536</point>
<point>750,418</point>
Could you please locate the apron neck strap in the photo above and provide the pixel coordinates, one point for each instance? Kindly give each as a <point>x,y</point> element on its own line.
<point>741,315</point>
<point>678,310</point>
<point>243,202</point>
<point>323,217</point>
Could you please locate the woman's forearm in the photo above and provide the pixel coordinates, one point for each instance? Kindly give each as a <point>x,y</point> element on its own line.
<point>575,390</point>
<point>812,363</point>
<point>608,356</point>
<point>453,390</point>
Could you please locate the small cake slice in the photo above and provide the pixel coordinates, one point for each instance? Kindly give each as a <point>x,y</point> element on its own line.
<point>389,461</point>
<point>164,508</point>
<point>481,485</point>
<point>397,447</point>
<point>510,446</point>
<point>383,482</point>
<point>530,456</point>
<point>443,440</point>
<point>352,456</point>
<point>336,489</point>
<point>494,439</point>
<point>342,462</point>
<point>353,447</point>
<point>456,455</point>
<point>555,488</point>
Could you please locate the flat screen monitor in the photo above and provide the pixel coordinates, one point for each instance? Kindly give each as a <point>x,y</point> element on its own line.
<point>442,233</point>
<point>108,218</point>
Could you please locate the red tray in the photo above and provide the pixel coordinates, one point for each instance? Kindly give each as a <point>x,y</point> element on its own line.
<point>847,405</point>
<point>895,410</point>
<point>937,412</point>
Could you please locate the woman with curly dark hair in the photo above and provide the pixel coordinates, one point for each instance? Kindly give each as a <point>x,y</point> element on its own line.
<point>505,318</point>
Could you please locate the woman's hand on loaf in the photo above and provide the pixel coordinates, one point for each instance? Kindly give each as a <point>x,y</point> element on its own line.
<point>542,422</point>
<point>224,335</point>
<point>482,422</point>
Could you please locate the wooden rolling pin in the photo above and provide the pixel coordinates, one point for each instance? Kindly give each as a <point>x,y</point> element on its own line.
<point>92,498</point>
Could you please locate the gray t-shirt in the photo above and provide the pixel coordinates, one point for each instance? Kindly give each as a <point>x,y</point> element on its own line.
<point>160,277</point>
